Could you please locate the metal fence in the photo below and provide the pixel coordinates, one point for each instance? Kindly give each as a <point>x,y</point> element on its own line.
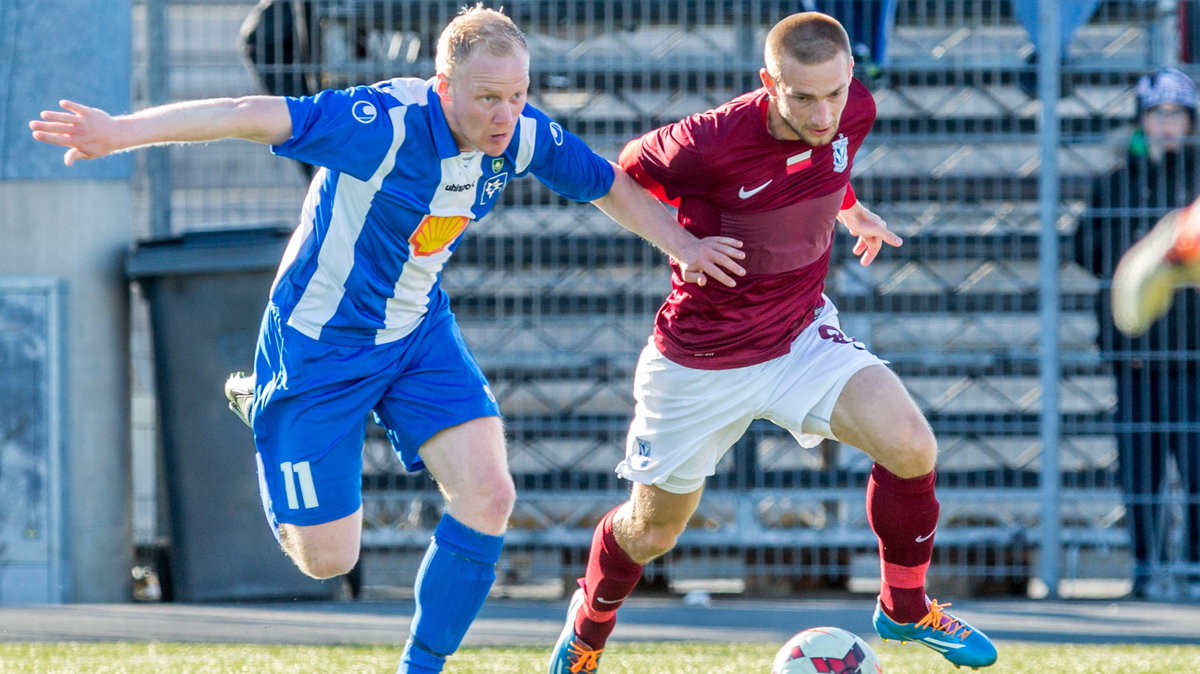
<point>984,312</point>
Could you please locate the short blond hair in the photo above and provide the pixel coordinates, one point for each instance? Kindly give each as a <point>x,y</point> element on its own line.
<point>475,28</point>
<point>808,38</point>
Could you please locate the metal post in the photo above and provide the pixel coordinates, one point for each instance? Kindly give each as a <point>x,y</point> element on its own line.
<point>1050,365</point>
<point>158,159</point>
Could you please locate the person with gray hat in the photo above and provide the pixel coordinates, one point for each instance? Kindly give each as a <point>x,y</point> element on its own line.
<point>1156,372</point>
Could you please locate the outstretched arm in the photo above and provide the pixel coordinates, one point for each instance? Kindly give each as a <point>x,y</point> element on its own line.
<point>636,210</point>
<point>91,133</point>
<point>871,230</point>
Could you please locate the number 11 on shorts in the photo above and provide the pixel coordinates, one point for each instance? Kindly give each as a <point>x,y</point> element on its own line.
<point>294,473</point>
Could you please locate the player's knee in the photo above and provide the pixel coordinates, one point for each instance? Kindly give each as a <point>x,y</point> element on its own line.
<point>326,564</point>
<point>499,500</point>
<point>654,540</point>
<point>912,450</point>
<point>487,507</point>
<point>321,561</point>
<point>663,539</point>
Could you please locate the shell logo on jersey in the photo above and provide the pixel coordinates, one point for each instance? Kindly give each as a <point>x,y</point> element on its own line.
<point>435,233</point>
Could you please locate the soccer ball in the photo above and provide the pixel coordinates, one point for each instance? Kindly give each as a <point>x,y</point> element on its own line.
<point>826,650</point>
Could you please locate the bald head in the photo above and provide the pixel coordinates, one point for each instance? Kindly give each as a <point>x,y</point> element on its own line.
<point>808,38</point>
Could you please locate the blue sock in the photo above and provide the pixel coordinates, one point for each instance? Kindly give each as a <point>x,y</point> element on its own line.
<point>452,584</point>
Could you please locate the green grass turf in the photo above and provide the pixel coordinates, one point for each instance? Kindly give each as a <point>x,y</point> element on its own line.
<point>622,658</point>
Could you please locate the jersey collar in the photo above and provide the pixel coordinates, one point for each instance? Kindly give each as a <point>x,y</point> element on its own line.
<point>443,140</point>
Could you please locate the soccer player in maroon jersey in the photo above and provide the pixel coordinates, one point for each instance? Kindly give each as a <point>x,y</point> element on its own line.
<point>770,168</point>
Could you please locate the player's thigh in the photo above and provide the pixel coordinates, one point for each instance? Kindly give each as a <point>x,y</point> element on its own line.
<point>684,421</point>
<point>650,523</point>
<point>469,461</point>
<point>442,388</point>
<point>876,414</point>
<point>808,381</point>
<point>309,426</point>
<point>653,507</point>
<point>327,549</point>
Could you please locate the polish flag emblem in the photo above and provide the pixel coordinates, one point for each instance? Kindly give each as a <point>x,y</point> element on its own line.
<point>799,162</point>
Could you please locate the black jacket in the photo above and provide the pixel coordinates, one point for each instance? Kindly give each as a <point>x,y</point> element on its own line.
<point>1126,204</point>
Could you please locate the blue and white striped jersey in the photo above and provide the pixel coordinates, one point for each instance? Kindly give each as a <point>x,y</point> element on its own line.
<point>393,200</point>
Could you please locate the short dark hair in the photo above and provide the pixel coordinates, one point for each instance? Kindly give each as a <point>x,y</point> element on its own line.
<point>808,38</point>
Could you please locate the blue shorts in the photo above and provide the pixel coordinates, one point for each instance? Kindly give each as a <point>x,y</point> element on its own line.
<point>312,399</point>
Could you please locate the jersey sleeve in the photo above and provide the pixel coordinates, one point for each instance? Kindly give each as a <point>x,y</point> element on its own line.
<point>850,198</point>
<point>348,130</point>
<point>562,161</point>
<point>865,108</point>
<point>667,160</point>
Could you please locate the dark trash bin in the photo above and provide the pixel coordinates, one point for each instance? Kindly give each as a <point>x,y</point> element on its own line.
<point>206,292</point>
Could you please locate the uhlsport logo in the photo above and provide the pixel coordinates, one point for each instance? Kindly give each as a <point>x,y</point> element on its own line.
<point>557,133</point>
<point>364,112</point>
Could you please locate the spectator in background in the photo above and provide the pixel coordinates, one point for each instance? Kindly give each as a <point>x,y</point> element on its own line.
<point>280,47</point>
<point>1187,23</point>
<point>1071,15</point>
<point>869,23</point>
<point>1155,380</point>
<point>280,44</point>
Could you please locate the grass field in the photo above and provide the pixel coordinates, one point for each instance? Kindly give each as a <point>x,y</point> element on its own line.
<point>623,658</point>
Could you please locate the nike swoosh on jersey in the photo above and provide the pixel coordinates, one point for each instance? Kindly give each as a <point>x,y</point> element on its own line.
<point>922,539</point>
<point>602,600</point>
<point>746,194</point>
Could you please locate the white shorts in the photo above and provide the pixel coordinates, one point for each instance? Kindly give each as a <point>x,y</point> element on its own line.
<point>686,419</point>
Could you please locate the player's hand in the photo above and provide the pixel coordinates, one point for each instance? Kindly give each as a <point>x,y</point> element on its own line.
<point>712,256</point>
<point>871,230</point>
<point>87,133</point>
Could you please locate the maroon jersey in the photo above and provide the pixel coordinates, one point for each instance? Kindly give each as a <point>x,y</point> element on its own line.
<point>730,177</point>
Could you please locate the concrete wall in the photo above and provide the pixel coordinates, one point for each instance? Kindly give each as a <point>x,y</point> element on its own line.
<point>76,224</point>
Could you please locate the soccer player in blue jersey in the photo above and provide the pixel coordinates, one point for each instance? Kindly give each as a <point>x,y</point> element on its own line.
<point>357,321</point>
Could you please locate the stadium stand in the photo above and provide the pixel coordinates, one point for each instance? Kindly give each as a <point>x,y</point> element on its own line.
<point>556,301</point>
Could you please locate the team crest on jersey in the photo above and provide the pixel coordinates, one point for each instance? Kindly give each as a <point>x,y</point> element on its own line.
<point>435,233</point>
<point>497,164</point>
<point>841,155</point>
<point>494,186</point>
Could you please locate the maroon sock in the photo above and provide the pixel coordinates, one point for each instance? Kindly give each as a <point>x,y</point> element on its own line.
<point>610,579</point>
<point>903,513</point>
